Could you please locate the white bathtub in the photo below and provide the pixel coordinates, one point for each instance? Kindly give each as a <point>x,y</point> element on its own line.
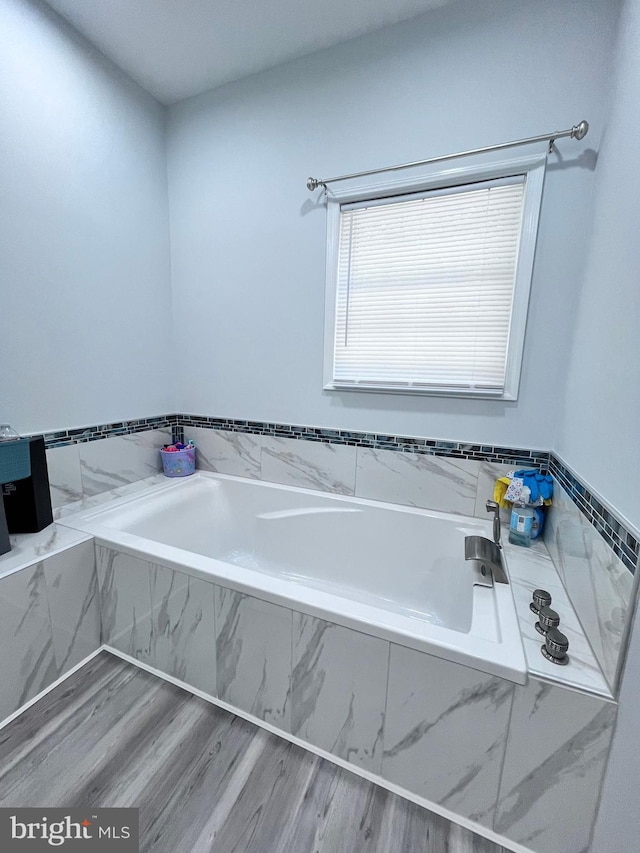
<point>391,571</point>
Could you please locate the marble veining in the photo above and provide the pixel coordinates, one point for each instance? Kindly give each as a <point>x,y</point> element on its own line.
<point>309,464</point>
<point>94,501</point>
<point>65,479</point>
<point>445,732</point>
<point>583,670</point>
<point>119,460</point>
<point>27,662</point>
<point>125,595</point>
<point>599,584</point>
<point>183,636</point>
<point>338,689</point>
<point>234,453</point>
<point>531,568</point>
<point>416,479</point>
<point>28,548</point>
<point>74,606</point>
<point>554,763</point>
<point>253,655</point>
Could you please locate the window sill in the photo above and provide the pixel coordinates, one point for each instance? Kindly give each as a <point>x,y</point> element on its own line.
<point>467,393</point>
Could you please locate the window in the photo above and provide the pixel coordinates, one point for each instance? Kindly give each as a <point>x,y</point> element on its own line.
<point>428,286</point>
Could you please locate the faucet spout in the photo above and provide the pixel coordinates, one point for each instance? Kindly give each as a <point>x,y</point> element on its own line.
<point>488,553</point>
<point>493,507</point>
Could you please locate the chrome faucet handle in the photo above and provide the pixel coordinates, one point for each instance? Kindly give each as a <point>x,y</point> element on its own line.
<point>482,550</point>
<point>493,507</point>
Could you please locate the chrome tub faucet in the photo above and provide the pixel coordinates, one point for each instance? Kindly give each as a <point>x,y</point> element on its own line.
<point>493,507</point>
<point>484,551</point>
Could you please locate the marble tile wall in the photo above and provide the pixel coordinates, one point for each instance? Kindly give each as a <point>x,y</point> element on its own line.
<point>599,585</point>
<point>414,479</point>
<point>339,683</point>
<point>253,655</point>
<point>82,470</point>
<point>238,434</point>
<point>74,606</point>
<point>445,732</point>
<point>530,569</point>
<point>49,621</point>
<point>555,759</point>
<point>125,598</point>
<point>182,623</point>
<point>524,761</point>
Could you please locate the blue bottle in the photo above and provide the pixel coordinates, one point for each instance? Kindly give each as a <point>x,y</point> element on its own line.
<point>521,525</point>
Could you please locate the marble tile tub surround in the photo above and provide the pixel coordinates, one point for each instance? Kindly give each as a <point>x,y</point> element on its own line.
<point>158,616</point>
<point>494,461</point>
<point>338,689</point>
<point>554,763</point>
<point>599,584</point>
<point>29,548</point>
<point>420,472</point>
<point>619,536</point>
<point>88,468</point>
<point>445,732</point>
<point>82,435</point>
<point>530,568</point>
<point>49,615</point>
<point>231,433</point>
<point>524,761</point>
<point>421,480</point>
<point>599,581</point>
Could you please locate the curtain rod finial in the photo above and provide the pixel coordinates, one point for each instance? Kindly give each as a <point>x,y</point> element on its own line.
<point>312,184</point>
<point>580,130</point>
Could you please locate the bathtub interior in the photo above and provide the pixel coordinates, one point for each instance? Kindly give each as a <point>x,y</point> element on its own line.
<point>394,571</point>
<point>408,561</point>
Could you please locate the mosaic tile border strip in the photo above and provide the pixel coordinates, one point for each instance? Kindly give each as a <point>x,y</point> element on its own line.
<point>380,441</point>
<point>64,437</point>
<point>622,542</point>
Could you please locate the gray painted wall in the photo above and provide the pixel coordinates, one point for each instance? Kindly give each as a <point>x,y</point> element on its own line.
<point>611,292</point>
<point>599,436</point>
<point>248,239</point>
<point>84,261</point>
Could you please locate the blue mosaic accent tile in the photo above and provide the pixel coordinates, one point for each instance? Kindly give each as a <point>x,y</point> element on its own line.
<point>624,543</point>
<point>62,438</point>
<point>409,444</point>
<point>621,541</point>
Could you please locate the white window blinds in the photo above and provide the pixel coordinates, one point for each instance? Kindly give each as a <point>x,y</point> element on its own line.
<point>425,287</point>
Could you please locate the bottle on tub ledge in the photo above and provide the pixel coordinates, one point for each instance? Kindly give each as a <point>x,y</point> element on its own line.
<point>526,521</point>
<point>521,524</point>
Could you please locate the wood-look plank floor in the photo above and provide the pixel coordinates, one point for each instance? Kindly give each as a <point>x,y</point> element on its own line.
<point>205,781</point>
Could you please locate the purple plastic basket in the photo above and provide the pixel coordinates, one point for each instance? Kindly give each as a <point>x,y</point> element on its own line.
<point>178,463</point>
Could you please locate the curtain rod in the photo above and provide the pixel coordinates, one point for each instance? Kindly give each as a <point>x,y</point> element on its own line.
<point>578,131</point>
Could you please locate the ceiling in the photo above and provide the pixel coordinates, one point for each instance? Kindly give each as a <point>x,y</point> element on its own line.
<point>179,48</point>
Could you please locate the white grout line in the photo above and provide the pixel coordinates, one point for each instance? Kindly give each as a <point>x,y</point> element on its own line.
<point>51,687</point>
